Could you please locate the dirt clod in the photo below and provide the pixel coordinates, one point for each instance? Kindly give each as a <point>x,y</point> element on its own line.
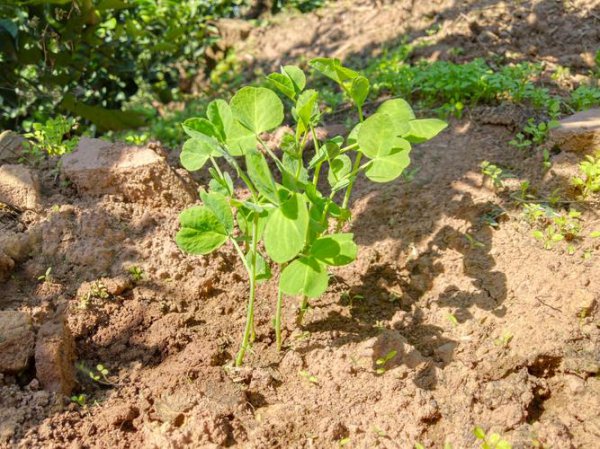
<point>16,341</point>
<point>19,187</point>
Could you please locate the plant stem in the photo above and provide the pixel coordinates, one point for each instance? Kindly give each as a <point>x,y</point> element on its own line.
<point>318,166</point>
<point>302,311</point>
<point>249,332</point>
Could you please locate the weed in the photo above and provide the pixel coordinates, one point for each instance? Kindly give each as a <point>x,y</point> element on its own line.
<point>504,340</point>
<point>533,134</point>
<point>343,441</point>
<point>287,201</point>
<point>312,379</point>
<point>47,276</point>
<point>492,441</point>
<point>473,243</point>
<point>493,173</point>
<point>79,399</point>
<point>98,374</point>
<point>136,273</point>
<point>453,320</point>
<point>588,182</point>
<point>381,362</point>
<point>49,138</point>
<point>98,290</point>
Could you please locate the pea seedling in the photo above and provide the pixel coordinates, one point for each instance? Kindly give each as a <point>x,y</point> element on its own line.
<point>283,215</point>
<point>381,362</point>
<point>492,441</point>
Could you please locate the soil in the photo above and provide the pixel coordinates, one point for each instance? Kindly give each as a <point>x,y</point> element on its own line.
<point>491,330</point>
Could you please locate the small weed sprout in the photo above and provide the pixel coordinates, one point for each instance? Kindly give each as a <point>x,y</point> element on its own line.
<point>453,320</point>
<point>79,399</point>
<point>98,290</point>
<point>343,441</point>
<point>504,340</point>
<point>285,217</point>
<point>49,138</point>
<point>312,379</point>
<point>473,243</point>
<point>535,133</point>
<point>492,441</point>
<point>493,173</point>
<point>98,374</point>
<point>381,362</point>
<point>47,276</point>
<point>136,273</point>
<point>589,182</point>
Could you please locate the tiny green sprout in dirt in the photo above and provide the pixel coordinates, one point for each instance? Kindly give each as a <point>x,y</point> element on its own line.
<point>453,320</point>
<point>504,340</point>
<point>47,276</point>
<point>79,399</point>
<point>473,243</point>
<point>492,441</point>
<point>98,374</point>
<point>49,138</point>
<point>381,362</point>
<point>343,441</point>
<point>312,379</point>
<point>136,273</point>
<point>98,290</point>
<point>588,183</point>
<point>292,207</point>
<point>534,133</point>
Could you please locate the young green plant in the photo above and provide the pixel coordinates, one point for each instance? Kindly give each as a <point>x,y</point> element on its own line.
<point>284,214</point>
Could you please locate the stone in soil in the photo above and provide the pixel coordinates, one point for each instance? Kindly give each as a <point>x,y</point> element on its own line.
<point>55,356</point>
<point>138,174</point>
<point>579,132</point>
<point>19,187</point>
<point>16,341</point>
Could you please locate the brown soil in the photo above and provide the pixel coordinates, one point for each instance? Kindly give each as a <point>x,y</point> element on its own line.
<point>497,332</point>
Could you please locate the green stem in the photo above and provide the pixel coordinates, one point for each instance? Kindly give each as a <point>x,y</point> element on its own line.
<point>249,332</point>
<point>216,166</point>
<point>302,311</point>
<point>318,166</point>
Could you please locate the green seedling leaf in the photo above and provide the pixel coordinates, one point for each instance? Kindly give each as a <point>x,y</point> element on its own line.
<point>284,84</point>
<point>333,69</point>
<point>220,115</point>
<point>305,106</point>
<point>400,112</point>
<point>339,168</point>
<point>285,232</point>
<point>245,216</point>
<point>306,276</point>
<point>201,231</point>
<point>377,136</point>
<point>353,136</point>
<point>260,175</point>
<point>200,128</point>
<point>239,139</point>
<point>359,90</point>
<point>257,108</point>
<point>424,129</point>
<point>335,249</point>
<point>195,153</point>
<point>219,205</point>
<point>389,166</point>
<point>479,433</point>
<point>296,75</point>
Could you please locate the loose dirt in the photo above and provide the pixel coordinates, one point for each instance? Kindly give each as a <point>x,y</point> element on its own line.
<point>491,329</point>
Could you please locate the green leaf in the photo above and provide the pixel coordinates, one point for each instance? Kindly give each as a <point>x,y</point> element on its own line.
<point>200,128</point>
<point>339,168</point>
<point>353,136</point>
<point>284,84</point>
<point>296,75</point>
<point>240,139</point>
<point>333,68</point>
<point>359,90</point>
<point>479,433</point>
<point>285,232</point>
<point>220,115</point>
<point>260,175</point>
<point>306,276</point>
<point>388,166</point>
<point>377,136</point>
<point>201,231</point>
<point>335,249</point>
<point>398,109</point>
<point>424,129</point>
<point>195,153</point>
<point>245,216</point>
<point>305,106</point>
<point>595,234</point>
<point>219,205</point>
<point>257,108</point>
